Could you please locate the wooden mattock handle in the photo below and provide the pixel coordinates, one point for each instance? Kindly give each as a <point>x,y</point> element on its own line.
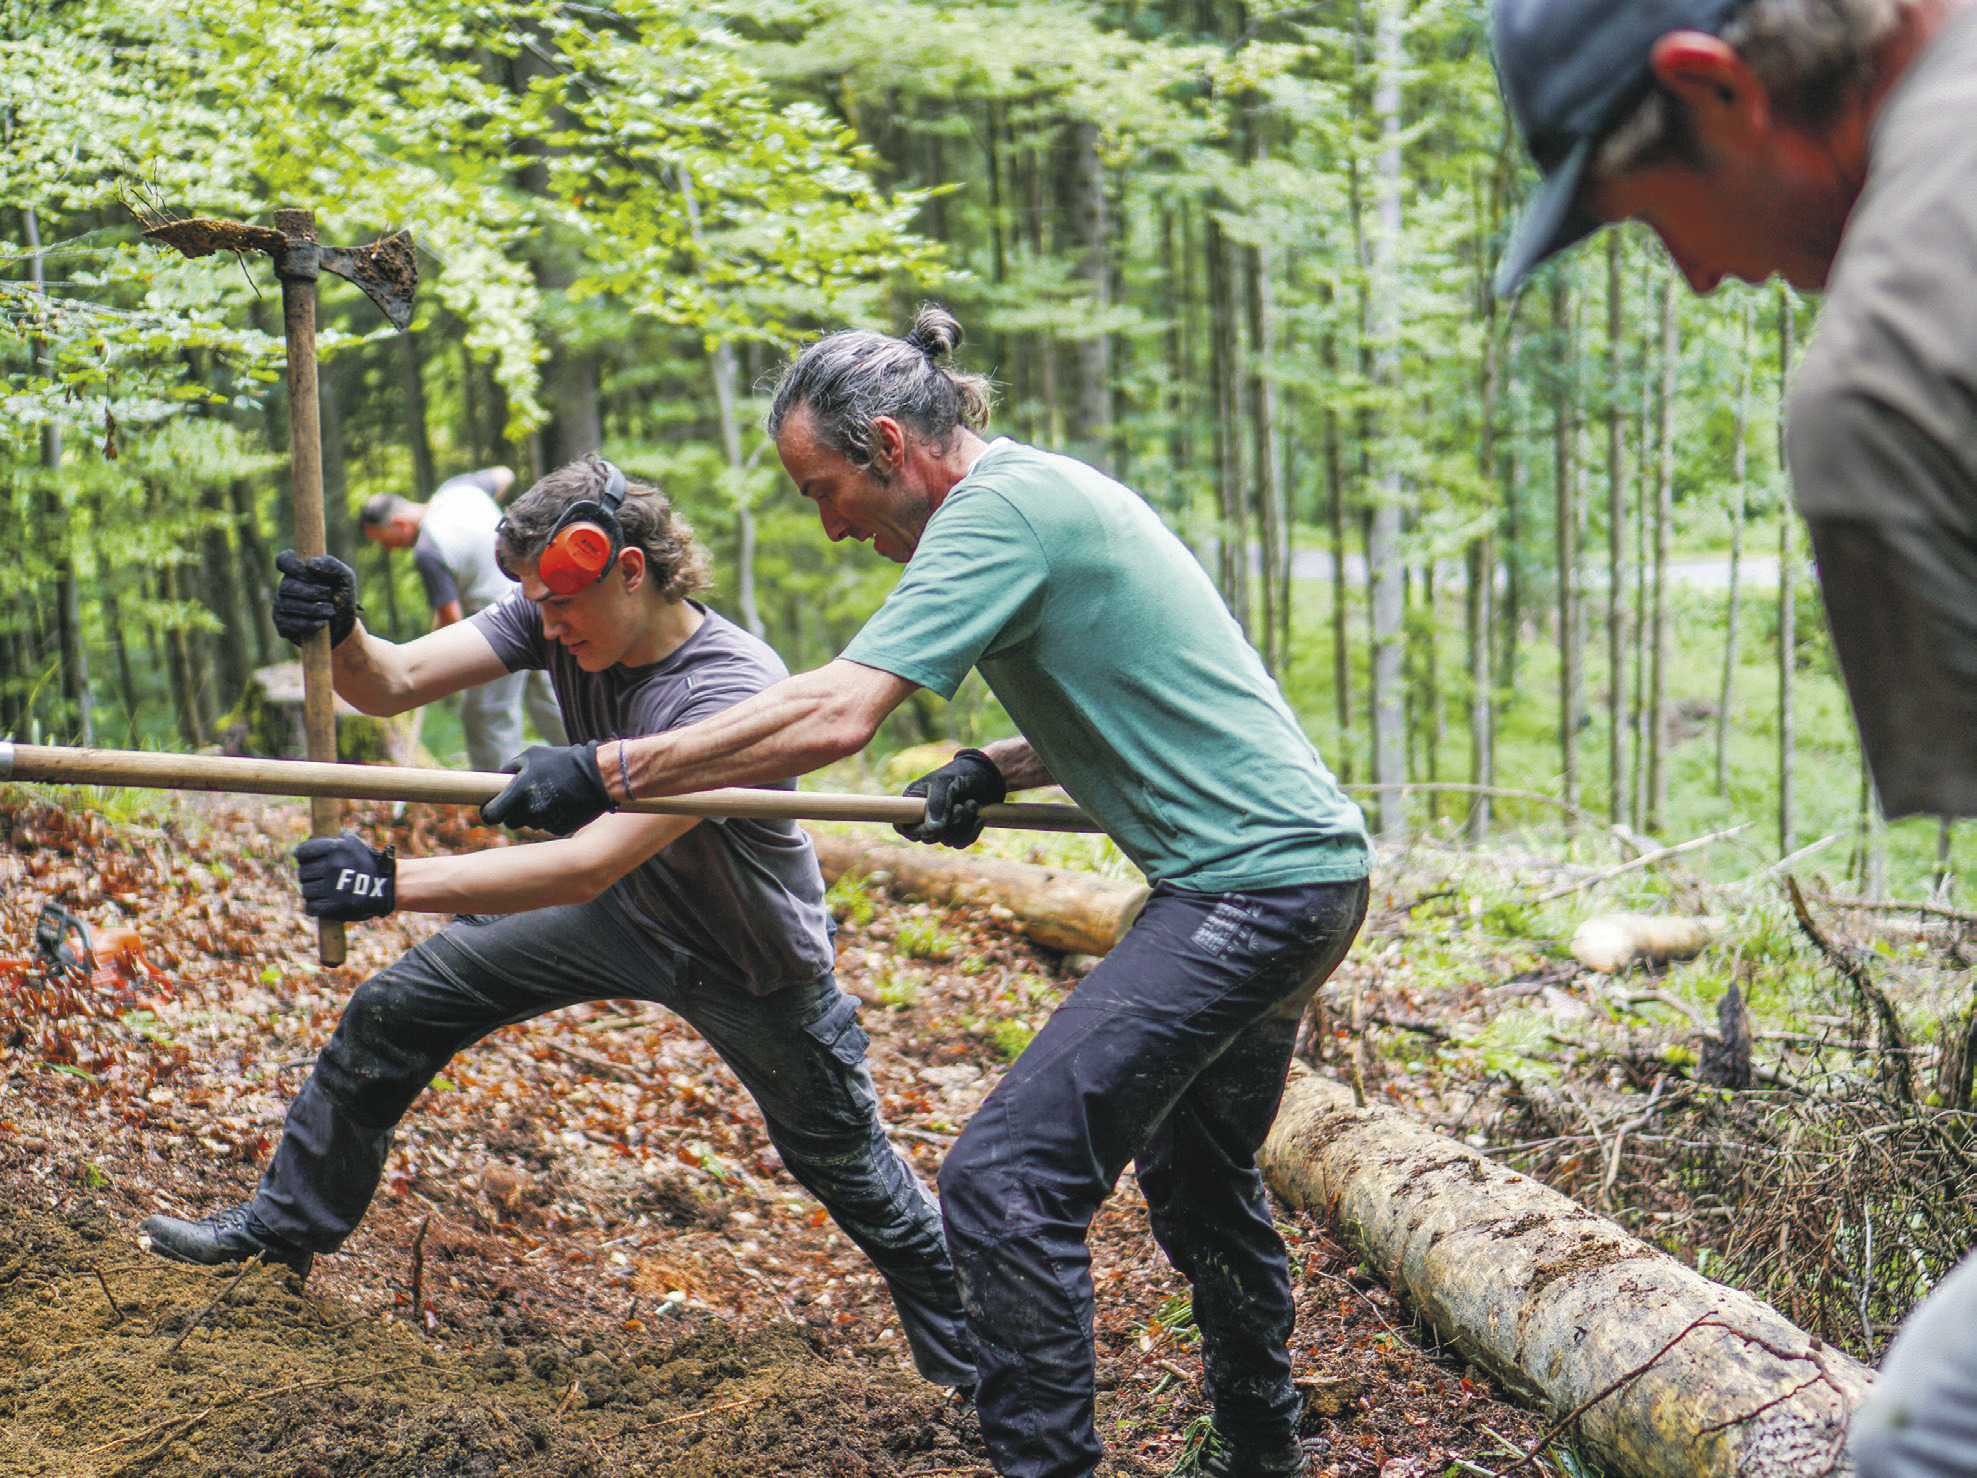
<point>305,445</point>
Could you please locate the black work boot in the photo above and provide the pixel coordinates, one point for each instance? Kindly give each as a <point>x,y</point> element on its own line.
<point>1218,1457</point>
<point>225,1236</point>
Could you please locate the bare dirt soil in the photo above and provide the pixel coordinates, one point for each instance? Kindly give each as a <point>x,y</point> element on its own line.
<point>584,1258</point>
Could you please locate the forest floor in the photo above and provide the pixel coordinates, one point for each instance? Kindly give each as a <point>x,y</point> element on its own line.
<point>612,1275</point>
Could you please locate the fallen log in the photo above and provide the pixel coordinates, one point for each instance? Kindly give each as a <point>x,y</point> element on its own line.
<point>1611,942</point>
<point>1079,912</point>
<point>1665,1373</point>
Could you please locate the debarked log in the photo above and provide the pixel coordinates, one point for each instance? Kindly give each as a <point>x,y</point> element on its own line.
<point>1079,912</point>
<point>1611,942</point>
<point>1560,1304</point>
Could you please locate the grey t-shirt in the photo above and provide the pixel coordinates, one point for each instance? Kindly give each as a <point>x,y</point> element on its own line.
<point>744,896</point>
<point>1883,438</point>
<point>455,548</point>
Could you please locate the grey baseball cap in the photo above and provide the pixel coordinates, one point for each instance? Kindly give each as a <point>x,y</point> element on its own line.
<point>1570,71</point>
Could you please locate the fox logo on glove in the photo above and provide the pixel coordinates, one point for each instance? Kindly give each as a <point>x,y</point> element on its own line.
<point>345,878</point>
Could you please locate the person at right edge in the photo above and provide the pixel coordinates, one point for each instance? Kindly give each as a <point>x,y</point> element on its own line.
<point>1134,688</point>
<point>1833,143</point>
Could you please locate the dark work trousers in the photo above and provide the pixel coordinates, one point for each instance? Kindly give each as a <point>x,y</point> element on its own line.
<point>1172,1052</point>
<point>800,1051</point>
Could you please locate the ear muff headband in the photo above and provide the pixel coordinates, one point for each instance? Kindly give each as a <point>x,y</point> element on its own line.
<point>586,540</point>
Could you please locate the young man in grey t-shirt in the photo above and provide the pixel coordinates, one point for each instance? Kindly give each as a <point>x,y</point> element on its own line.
<point>452,543</point>
<point>723,921</point>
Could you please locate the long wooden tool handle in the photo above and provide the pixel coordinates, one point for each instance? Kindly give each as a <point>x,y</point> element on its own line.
<point>305,446</point>
<point>59,765</point>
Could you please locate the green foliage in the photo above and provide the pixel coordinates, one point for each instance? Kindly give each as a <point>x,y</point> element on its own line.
<point>926,939</point>
<point>851,899</point>
<point>1011,1037</point>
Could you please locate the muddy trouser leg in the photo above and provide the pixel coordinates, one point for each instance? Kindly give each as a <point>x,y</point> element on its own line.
<point>801,1053</point>
<point>1142,1041</point>
<point>400,1027</point>
<point>539,700</point>
<point>491,719</point>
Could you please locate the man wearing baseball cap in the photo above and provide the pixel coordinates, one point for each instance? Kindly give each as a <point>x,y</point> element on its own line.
<point>1833,143</point>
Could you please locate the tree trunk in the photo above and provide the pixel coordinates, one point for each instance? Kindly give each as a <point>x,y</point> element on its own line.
<point>1565,479</point>
<point>1384,530</point>
<point>1059,907</point>
<point>1233,529</point>
<point>1616,542</point>
<point>257,569</point>
<point>1267,472</point>
<point>1266,450</point>
<point>219,589</point>
<point>574,426</point>
<point>184,673</point>
<point>1335,519</point>
<point>1660,658</point>
<point>1787,601</point>
<point>1086,210</point>
<point>76,695</point>
<point>339,529</point>
<point>1679,1377</point>
<point>411,376</point>
<point>127,682</point>
<point>1740,471</point>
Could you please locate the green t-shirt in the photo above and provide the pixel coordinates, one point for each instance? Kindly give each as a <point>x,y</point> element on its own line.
<point>1116,657</point>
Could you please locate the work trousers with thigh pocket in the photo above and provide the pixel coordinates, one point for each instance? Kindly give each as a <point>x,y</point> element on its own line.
<point>799,1051</point>
<point>1172,1052</point>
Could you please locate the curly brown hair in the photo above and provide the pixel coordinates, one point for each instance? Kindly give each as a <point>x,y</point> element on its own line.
<point>677,562</point>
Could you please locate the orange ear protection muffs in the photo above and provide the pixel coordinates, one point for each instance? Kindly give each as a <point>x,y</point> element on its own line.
<point>586,541</point>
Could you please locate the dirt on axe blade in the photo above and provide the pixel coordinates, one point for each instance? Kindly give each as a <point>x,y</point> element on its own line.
<point>388,272</point>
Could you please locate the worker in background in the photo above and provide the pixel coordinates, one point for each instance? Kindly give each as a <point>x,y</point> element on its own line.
<point>720,920</point>
<point>1135,690</point>
<point>1833,143</point>
<point>452,544</point>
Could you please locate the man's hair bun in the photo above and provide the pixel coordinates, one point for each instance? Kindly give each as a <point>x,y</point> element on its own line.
<point>936,332</point>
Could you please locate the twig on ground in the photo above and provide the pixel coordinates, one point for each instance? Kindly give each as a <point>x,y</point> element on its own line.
<point>419,1270</point>
<point>673,1421</point>
<point>1402,1024</point>
<point>225,1293</point>
<point>1932,910</point>
<point>1790,859</point>
<point>1646,859</point>
<point>114,1305</point>
<point>1854,971</point>
<point>622,1071</point>
<point>568,1396</point>
<point>1640,1121</point>
<point>175,1421</point>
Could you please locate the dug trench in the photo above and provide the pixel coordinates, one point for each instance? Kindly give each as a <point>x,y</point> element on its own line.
<point>612,1275</point>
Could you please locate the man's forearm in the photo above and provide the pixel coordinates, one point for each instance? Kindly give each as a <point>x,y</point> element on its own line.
<point>1020,767</point>
<point>368,673</point>
<point>800,724</point>
<point>502,880</point>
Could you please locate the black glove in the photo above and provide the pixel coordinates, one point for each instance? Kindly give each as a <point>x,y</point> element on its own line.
<point>555,790</point>
<point>345,878</point>
<point>314,594</point>
<point>955,793</point>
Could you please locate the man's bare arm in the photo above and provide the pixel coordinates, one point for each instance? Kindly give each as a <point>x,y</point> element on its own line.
<point>800,724</point>
<point>1020,767</point>
<point>542,875</point>
<point>384,678</point>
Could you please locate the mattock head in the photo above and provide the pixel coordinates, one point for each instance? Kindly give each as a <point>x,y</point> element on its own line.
<point>387,270</point>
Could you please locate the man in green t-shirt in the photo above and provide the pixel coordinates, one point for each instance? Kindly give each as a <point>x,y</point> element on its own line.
<point>1134,689</point>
